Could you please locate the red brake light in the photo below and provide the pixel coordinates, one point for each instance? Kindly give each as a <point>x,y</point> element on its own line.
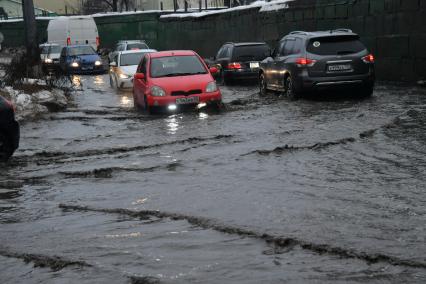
<point>234,65</point>
<point>10,105</point>
<point>301,62</point>
<point>68,41</point>
<point>98,42</point>
<point>368,59</point>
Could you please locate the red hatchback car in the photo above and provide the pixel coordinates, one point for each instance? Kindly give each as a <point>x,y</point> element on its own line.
<point>173,80</point>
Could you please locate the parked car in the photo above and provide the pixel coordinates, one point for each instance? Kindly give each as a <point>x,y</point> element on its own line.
<point>173,80</point>
<point>74,30</point>
<point>123,67</point>
<point>310,61</point>
<point>9,130</point>
<point>240,60</point>
<point>50,54</point>
<point>81,59</point>
<point>124,45</point>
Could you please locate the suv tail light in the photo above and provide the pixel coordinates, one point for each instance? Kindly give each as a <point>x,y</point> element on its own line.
<point>98,42</point>
<point>302,62</point>
<point>234,65</point>
<point>368,59</point>
<point>11,105</point>
<point>68,41</point>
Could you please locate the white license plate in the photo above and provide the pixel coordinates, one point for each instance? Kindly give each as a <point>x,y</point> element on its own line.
<point>254,65</point>
<point>339,67</point>
<point>190,100</point>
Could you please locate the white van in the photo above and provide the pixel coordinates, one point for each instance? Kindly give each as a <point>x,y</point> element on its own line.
<point>73,30</point>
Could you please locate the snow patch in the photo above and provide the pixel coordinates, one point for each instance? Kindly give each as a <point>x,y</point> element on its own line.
<point>263,5</point>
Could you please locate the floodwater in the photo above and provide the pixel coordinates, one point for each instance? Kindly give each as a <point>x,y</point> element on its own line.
<point>266,191</point>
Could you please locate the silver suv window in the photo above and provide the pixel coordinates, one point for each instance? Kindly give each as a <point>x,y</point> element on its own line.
<point>335,45</point>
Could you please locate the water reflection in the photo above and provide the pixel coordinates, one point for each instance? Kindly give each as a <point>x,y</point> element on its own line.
<point>173,124</point>
<point>125,101</point>
<point>76,80</point>
<point>99,80</point>
<point>203,116</point>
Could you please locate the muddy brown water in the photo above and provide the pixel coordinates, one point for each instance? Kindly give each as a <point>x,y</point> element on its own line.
<point>266,191</point>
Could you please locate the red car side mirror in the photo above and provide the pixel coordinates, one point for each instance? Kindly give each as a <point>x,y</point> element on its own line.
<point>213,70</point>
<point>139,76</point>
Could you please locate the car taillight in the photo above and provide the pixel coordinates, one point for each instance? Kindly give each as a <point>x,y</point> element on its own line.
<point>301,62</point>
<point>68,41</point>
<point>234,65</point>
<point>368,59</point>
<point>12,106</point>
<point>98,41</point>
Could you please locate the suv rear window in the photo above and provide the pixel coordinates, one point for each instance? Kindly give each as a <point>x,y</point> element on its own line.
<point>335,45</point>
<point>250,52</point>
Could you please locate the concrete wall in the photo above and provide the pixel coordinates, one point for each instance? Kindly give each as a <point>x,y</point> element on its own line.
<point>394,30</point>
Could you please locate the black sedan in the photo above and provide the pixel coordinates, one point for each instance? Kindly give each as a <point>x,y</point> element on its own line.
<point>9,130</point>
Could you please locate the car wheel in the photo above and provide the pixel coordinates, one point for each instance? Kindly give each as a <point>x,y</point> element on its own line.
<point>5,148</point>
<point>148,109</point>
<point>367,91</point>
<point>263,91</point>
<point>289,89</point>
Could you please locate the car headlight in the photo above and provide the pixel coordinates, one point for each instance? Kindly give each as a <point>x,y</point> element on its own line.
<point>98,63</point>
<point>124,76</point>
<point>211,87</point>
<point>48,60</point>
<point>157,91</point>
<point>75,64</point>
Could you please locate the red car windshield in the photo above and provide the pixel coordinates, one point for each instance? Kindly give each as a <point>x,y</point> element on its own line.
<point>171,66</point>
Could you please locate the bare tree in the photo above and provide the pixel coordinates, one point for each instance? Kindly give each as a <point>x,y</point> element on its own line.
<point>30,32</point>
<point>96,6</point>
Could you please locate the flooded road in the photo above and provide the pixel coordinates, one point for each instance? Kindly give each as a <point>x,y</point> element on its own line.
<point>267,191</point>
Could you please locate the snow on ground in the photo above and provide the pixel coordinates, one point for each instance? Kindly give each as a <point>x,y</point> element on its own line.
<point>264,7</point>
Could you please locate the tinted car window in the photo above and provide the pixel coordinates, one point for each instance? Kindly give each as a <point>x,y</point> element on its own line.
<point>142,66</point>
<point>288,48</point>
<point>81,50</point>
<point>335,45</point>
<point>250,52</point>
<point>51,49</point>
<point>176,65</point>
<point>131,59</point>
<point>298,46</point>
<point>134,46</point>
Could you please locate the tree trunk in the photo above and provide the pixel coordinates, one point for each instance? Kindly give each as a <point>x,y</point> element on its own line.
<point>30,26</point>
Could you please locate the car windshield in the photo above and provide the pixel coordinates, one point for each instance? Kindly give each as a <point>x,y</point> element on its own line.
<point>176,66</point>
<point>335,45</point>
<point>81,50</point>
<point>131,58</point>
<point>49,49</point>
<point>136,46</point>
<point>250,52</point>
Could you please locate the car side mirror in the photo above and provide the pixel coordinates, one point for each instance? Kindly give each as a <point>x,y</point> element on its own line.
<point>139,76</point>
<point>113,64</point>
<point>213,70</point>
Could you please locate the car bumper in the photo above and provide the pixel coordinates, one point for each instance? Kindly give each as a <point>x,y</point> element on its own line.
<point>12,132</point>
<point>166,101</point>
<point>125,83</point>
<point>242,74</point>
<point>306,83</point>
<point>94,70</point>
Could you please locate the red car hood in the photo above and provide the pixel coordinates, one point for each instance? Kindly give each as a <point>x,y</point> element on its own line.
<point>183,83</point>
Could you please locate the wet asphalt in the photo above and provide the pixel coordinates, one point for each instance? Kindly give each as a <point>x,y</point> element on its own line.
<point>268,190</point>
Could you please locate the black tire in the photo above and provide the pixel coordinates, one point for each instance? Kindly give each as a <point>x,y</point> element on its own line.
<point>263,91</point>
<point>367,91</point>
<point>289,89</point>
<point>6,149</point>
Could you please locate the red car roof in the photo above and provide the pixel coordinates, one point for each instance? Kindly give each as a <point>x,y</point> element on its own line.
<point>172,53</point>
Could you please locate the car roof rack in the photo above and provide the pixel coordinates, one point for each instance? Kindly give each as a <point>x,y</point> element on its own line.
<point>299,32</point>
<point>341,30</point>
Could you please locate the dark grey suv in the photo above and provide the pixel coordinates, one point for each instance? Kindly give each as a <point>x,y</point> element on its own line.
<point>313,61</point>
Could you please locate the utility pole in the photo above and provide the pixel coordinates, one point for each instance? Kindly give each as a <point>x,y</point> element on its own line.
<point>30,32</point>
